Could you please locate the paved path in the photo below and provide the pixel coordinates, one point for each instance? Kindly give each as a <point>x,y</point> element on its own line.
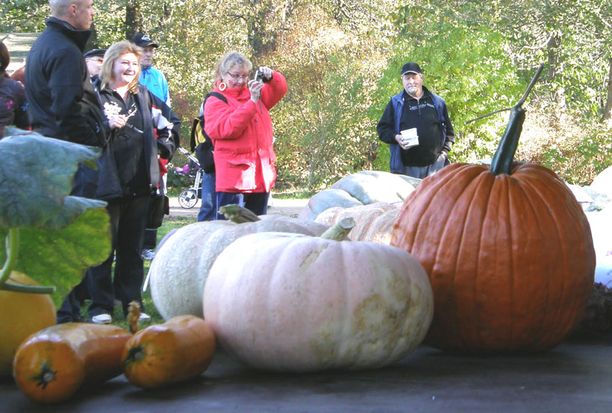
<point>18,45</point>
<point>289,207</point>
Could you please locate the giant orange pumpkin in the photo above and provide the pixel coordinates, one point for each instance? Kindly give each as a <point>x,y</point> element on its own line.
<point>508,251</point>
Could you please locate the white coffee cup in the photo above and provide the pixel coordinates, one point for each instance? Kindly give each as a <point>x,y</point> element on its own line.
<point>409,137</point>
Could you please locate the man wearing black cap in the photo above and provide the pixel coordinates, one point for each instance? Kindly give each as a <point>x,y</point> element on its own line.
<point>416,125</point>
<point>94,59</point>
<point>156,82</point>
<point>151,77</point>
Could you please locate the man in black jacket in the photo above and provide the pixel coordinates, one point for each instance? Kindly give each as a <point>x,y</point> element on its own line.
<point>62,102</point>
<point>417,127</point>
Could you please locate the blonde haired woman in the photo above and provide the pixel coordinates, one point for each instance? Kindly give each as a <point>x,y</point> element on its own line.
<point>241,130</point>
<point>139,133</point>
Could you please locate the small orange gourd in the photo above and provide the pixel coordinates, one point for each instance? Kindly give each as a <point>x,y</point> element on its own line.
<point>179,349</point>
<point>21,314</point>
<point>52,364</point>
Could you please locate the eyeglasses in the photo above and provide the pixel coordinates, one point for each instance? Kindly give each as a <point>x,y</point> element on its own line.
<point>236,77</point>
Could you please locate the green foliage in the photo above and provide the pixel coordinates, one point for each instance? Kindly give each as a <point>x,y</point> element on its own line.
<point>109,23</point>
<point>342,62</point>
<point>333,127</point>
<point>322,128</point>
<point>465,65</point>
<point>59,257</point>
<point>178,182</point>
<point>573,37</point>
<point>23,16</point>
<point>576,153</point>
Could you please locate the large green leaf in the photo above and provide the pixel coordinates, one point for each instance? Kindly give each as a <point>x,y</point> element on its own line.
<point>59,257</point>
<point>36,173</point>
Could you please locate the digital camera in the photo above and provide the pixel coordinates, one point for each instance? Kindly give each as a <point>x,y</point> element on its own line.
<point>259,76</point>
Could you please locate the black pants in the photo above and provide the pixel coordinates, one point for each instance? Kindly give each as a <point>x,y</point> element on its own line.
<point>150,239</point>
<point>128,218</point>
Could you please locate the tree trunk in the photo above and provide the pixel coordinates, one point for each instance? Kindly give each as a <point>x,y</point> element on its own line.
<point>607,113</point>
<point>553,50</point>
<point>133,22</point>
<point>262,35</point>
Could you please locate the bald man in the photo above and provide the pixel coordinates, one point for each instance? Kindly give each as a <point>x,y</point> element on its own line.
<point>62,102</point>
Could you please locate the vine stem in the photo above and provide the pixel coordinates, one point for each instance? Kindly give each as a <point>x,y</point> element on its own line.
<point>238,214</point>
<point>12,249</point>
<point>339,231</point>
<point>11,245</point>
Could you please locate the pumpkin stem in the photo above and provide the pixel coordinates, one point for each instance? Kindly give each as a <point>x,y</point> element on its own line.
<point>12,249</point>
<point>133,316</point>
<point>339,231</point>
<point>238,214</point>
<point>504,156</point>
<point>135,354</point>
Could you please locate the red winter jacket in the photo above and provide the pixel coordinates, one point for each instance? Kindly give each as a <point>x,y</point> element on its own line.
<point>241,131</point>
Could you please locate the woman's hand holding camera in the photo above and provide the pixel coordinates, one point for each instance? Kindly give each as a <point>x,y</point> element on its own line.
<point>263,74</point>
<point>255,87</point>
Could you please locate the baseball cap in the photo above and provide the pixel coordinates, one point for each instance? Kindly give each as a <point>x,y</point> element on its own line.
<point>94,53</point>
<point>143,40</point>
<point>411,67</point>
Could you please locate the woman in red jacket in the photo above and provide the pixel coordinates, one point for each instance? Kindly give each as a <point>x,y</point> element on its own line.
<point>241,131</point>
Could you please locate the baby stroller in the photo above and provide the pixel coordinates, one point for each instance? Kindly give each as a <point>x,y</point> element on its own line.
<point>188,198</point>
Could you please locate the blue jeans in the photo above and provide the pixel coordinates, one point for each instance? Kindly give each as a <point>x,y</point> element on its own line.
<point>208,209</point>
<point>425,171</point>
<point>256,202</point>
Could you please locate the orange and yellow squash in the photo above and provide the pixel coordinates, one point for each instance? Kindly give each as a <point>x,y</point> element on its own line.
<point>179,349</point>
<point>52,364</point>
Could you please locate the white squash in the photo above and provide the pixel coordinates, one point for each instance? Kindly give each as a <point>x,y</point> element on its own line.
<point>361,188</point>
<point>298,303</point>
<point>180,267</point>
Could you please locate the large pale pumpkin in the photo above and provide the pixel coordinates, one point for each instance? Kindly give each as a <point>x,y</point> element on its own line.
<point>508,251</point>
<point>21,314</point>
<point>298,303</point>
<point>180,268</point>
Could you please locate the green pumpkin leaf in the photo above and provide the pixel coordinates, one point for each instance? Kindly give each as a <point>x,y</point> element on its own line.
<point>74,206</point>
<point>36,173</point>
<point>59,257</point>
<point>60,236</point>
